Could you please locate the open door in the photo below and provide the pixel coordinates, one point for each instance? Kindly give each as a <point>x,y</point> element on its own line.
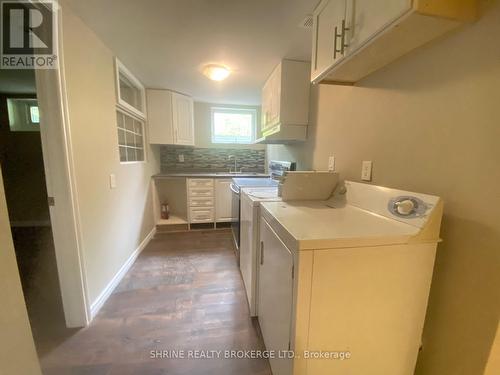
<point>61,190</point>
<point>16,340</point>
<point>36,126</point>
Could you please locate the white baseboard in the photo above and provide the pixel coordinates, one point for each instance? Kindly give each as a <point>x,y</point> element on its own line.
<point>103,297</point>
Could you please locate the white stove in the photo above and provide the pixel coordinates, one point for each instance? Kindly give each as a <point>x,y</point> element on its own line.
<point>277,169</point>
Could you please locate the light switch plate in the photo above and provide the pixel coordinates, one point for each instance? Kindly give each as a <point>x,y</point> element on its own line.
<point>331,164</point>
<point>112,181</point>
<point>181,158</point>
<point>366,170</point>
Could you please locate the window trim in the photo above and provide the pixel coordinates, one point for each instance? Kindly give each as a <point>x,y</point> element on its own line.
<point>144,150</point>
<point>239,110</point>
<point>122,104</point>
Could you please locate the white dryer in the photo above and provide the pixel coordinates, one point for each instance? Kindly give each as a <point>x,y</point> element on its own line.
<point>249,240</point>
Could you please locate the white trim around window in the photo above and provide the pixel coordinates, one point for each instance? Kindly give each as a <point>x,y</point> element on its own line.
<point>131,138</point>
<point>136,102</point>
<point>219,138</point>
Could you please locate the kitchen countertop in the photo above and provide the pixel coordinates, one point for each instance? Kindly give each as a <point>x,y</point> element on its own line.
<point>208,175</point>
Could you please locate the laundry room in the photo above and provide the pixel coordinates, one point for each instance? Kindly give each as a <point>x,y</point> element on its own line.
<point>288,187</point>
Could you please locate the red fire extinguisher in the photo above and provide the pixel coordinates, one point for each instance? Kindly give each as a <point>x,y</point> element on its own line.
<point>165,211</point>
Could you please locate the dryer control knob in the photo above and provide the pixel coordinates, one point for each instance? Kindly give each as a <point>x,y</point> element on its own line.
<point>405,207</point>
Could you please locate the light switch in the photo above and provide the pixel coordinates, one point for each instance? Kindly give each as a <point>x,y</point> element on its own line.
<point>331,164</point>
<point>112,181</point>
<point>181,158</point>
<point>366,171</point>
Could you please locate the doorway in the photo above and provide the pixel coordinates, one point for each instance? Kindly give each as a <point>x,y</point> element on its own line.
<point>21,158</point>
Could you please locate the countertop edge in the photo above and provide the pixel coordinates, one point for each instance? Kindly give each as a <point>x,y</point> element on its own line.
<point>207,175</point>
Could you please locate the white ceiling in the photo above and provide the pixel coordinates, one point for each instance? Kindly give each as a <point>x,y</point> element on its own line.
<point>165,42</point>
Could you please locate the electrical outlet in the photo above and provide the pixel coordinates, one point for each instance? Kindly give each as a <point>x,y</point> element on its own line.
<point>112,181</point>
<point>366,170</point>
<point>181,158</point>
<point>331,164</point>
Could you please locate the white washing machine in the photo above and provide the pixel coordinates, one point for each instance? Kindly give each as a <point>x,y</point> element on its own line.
<point>249,240</point>
<point>350,275</point>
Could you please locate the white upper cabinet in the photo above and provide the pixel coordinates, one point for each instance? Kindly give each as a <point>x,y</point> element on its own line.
<point>354,38</point>
<point>367,18</point>
<point>271,93</point>
<point>285,103</point>
<point>170,118</point>
<point>160,122</point>
<point>182,111</point>
<point>327,19</point>
<point>130,93</point>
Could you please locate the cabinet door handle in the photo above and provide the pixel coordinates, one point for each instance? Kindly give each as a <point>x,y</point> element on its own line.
<point>261,253</point>
<point>344,44</point>
<point>335,43</point>
<point>335,47</point>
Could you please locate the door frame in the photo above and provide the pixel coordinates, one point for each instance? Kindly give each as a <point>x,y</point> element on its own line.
<point>62,186</point>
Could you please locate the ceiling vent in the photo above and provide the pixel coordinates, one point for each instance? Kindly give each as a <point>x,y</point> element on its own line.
<point>307,23</point>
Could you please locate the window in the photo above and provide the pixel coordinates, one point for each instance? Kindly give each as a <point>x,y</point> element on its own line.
<point>233,125</point>
<point>34,114</point>
<point>130,138</point>
<point>131,95</point>
<point>130,115</point>
<point>23,115</point>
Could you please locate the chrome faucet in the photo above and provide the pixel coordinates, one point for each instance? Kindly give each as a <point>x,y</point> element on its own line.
<point>235,164</point>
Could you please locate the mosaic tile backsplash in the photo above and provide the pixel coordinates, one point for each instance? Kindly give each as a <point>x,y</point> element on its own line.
<point>211,159</point>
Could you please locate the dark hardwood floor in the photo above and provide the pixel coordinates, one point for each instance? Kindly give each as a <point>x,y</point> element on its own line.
<point>36,260</point>
<point>183,293</point>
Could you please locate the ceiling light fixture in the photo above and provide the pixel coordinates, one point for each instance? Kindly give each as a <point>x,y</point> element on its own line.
<point>216,72</point>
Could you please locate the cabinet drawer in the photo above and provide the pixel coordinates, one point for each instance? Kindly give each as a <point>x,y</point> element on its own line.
<point>201,202</point>
<point>201,192</point>
<point>201,215</point>
<point>200,182</point>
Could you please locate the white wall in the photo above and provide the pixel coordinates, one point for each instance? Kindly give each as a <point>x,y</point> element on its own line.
<point>17,349</point>
<point>430,122</point>
<point>113,221</point>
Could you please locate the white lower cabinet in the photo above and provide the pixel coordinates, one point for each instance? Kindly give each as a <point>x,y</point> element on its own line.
<point>202,202</point>
<point>200,192</point>
<point>275,297</point>
<point>223,200</point>
<point>209,200</point>
<point>201,215</point>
